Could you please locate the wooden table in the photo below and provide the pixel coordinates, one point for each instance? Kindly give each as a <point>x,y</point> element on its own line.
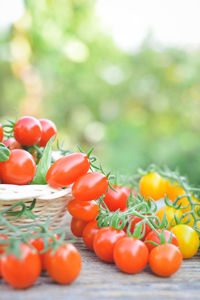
<point>99,280</point>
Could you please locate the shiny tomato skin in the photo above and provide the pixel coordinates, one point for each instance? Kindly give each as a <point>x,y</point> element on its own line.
<point>152,236</point>
<point>165,260</point>
<point>67,169</point>
<point>84,210</point>
<point>2,237</point>
<point>12,144</point>
<point>90,186</point>
<point>48,130</point>
<point>27,131</point>
<point>1,133</point>
<point>77,226</point>
<point>104,242</point>
<point>89,233</point>
<point>152,185</point>
<point>130,255</point>
<point>116,199</point>
<point>19,168</point>
<point>21,273</point>
<point>63,265</point>
<point>188,239</point>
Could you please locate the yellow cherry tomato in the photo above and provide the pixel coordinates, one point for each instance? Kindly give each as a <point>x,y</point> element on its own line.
<point>188,239</point>
<point>152,185</point>
<point>170,213</point>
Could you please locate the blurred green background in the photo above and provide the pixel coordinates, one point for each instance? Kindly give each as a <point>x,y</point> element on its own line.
<point>134,108</point>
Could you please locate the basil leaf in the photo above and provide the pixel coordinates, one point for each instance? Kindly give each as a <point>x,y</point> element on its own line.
<point>4,152</point>
<point>44,164</point>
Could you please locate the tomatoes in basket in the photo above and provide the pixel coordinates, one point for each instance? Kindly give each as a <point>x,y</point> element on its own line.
<point>130,255</point>
<point>153,237</point>
<point>77,226</point>
<point>104,242</point>
<point>1,133</point>
<point>90,186</point>
<point>165,260</point>
<point>89,233</point>
<point>152,185</point>
<point>27,131</point>
<point>84,210</point>
<point>64,264</point>
<point>21,272</point>
<point>19,168</point>
<point>48,130</point>
<point>67,169</point>
<point>116,199</point>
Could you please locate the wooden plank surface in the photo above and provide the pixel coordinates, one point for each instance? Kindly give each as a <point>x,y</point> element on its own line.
<point>99,280</point>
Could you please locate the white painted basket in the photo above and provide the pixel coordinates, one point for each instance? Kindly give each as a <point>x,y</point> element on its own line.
<point>49,202</point>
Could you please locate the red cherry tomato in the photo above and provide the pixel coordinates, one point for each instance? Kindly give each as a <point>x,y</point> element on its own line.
<point>1,133</point>
<point>19,168</point>
<point>12,144</point>
<point>27,131</point>
<point>116,199</point>
<point>165,260</point>
<point>48,130</point>
<point>152,236</point>
<point>134,220</point>
<point>130,255</point>
<point>2,237</point>
<point>89,233</point>
<point>39,246</point>
<point>90,186</point>
<point>104,242</point>
<point>84,210</point>
<point>67,169</point>
<point>64,264</point>
<point>77,226</point>
<point>21,273</point>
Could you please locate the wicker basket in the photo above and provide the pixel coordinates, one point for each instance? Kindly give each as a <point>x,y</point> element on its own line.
<point>49,202</point>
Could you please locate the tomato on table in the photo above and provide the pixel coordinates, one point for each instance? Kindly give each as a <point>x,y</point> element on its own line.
<point>152,185</point>
<point>21,273</point>
<point>130,255</point>
<point>89,233</point>
<point>84,210</point>
<point>171,212</point>
<point>188,239</point>
<point>90,186</point>
<point>19,168</point>
<point>165,260</point>
<point>28,131</point>
<point>153,237</point>
<point>104,242</point>
<point>48,130</point>
<point>64,264</point>
<point>77,226</point>
<point>116,199</point>
<point>67,169</point>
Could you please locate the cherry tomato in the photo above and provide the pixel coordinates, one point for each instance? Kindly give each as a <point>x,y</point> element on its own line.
<point>64,264</point>
<point>77,226</point>
<point>48,130</point>
<point>170,213</point>
<point>90,186</point>
<point>2,237</point>
<point>27,131</point>
<point>67,169</point>
<point>19,168</point>
<point>84,210</point>
<point>116,199</point>
<point>152,185</point>
<point>1,133</point>
<point>12,144</point>
<point>134,220</point>
<point>89,233</point>
<point>39,246</point>
<point>130,255</point>
<point>104,242</point>
<point>165,260</point>
<point>153,237</point>
<point>21,273</point>
<point>188,240</point>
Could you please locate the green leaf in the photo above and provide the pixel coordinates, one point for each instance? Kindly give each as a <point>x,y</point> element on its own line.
<point>4,152</point>
<point>44,164</point>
